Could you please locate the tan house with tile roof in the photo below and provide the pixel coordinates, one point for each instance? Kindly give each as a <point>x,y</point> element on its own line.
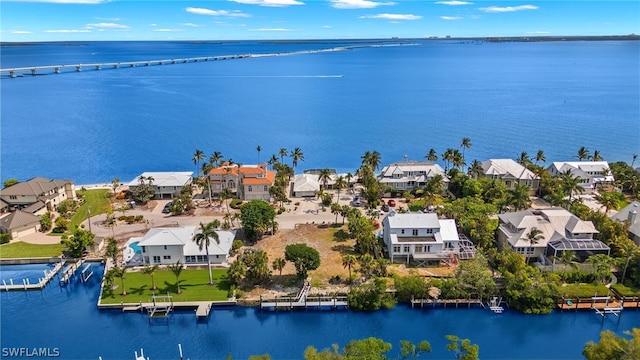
<point>38,195</point>
<point>19,223</point>
<point>248,182</point>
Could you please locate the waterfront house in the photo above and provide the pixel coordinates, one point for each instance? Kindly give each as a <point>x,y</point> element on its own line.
<point>305,185</point>
<point>510,173</point>
<point>630,215</point>
<point>247,182</point>
<point>166,184</point>
<point>591,173</point>
<point>409,175</point>
<point>165,246</point>
<point>19,223</point>
<point>422,238</point>
<point>38,195</point>
<point>559,230</point>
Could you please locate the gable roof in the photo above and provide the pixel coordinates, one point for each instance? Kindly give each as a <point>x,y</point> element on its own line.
<point>507,168</point>
<point>268,179</point>
<point>412,220</point>
<point>399,168</point>
<point>582,168</point>
<point>627,214</point>
<point>34,187</point>
<point>183,236</point>
<point>306,182</point>
<point>18,219</point>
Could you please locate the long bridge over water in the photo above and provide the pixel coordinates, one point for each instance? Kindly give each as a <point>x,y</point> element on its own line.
<point>41,70</point>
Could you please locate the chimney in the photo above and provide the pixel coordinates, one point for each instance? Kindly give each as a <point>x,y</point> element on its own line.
<point>632,216</point>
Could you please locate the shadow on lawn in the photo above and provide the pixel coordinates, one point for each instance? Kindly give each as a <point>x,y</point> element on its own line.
<point>341,236</point>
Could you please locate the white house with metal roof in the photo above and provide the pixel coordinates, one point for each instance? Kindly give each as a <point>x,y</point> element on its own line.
<point>591,173</point>
<point>509,172</point>
<point>165,246</point>
<point>166,184</point>
<point>559,229</point>
<point>408,175</point>
<point>422,237</point>
<point>305,185</point>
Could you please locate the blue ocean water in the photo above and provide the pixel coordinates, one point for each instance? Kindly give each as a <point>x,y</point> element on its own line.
<point>67,319</point>
<point>93,126</point>
<point>32,272</point>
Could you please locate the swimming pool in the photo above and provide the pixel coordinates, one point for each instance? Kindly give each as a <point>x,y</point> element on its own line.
<point>135,247</point>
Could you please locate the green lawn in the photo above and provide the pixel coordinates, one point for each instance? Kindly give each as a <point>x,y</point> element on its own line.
<point>97,200</point>
<point>25,250</point>
<point>583,290</point>
<point>626,290</point>
<point>193,284</point>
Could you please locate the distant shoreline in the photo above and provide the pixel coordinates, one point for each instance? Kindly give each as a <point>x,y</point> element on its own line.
<point>298,41</point>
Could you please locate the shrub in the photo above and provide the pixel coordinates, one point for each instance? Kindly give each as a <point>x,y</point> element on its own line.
<point>281,210</point>
<point>5,238</point>
<point>577,276</point>
<point>235,204</point>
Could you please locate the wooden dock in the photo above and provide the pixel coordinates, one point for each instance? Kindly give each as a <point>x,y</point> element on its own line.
<point>313,302</point>
<point>71,270</point>
<point>25,285</point>
<point>445,302</point>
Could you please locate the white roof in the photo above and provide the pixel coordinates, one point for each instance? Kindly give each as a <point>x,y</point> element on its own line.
<point>412,220</point>
<point>581,168</point>
<point>183,236</point>
<point>429,169</point>
<point>306,182</point>
<point>507,168</point>
<point>180,178</point>
<point>448,230</point>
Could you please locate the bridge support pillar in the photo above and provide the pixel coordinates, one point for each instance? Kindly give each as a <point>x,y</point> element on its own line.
<point>33,71</point>
<point>78,68</point>
<point>56,70</point>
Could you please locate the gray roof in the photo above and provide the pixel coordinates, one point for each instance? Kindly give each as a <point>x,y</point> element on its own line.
<point>624,215</point>
<point>34,187</point>
<point>412,220</point>
<point>578,244</point>
<point>18,219</point>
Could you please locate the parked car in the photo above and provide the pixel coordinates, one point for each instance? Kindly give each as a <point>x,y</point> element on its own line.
<point>392,203</point>
<point>167,208</point>
<point>385,208</point>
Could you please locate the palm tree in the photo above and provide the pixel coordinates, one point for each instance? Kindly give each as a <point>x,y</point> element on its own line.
<point>533,237</point>
<point>150,270</point>
<point>296,155</point>
<point>457,159</point>
<point>607,201</point>
<point>540,157</point>
<point>447,156</point>
<point>476,169</point>
<point>197,157</point>
<point>339,184</point>
<point>466,144</point>
<point>633,161</point>
<point>367,263</point>
<point>583,153</point>
<point>283,152</point>
<point>628,251</point>
<point>568,257</point>
<point>203,240</point>
<point>601,265</point>
<point>596,156</point>
<point>215,158</point>
<point>570,184</point>
<point>519,196</point>
<point>258,149</point>
<point>348,261</point>
<point>324,176</point>
<point>121,273</point>
<point>278,264</point>
<point>176,269</point>
<point>273,161</point>
<point>432,155</point>
<point>348,177</point>
<point>524,159</point>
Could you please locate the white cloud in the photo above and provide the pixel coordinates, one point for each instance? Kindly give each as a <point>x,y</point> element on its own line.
<point>168,30</point>
<point>358,4</point>
<point>327,27</point>
<point>450,17</point>
<point>502,9</point>
<point>271,29</point>
<point>270,3</point>
<point>153,24</point>
<point>66,1</point>
<point>190,25</point>
<point>107,26</point>
<point>107,19</point>
<point>20,32</point>
<point>65,31</point>
<point>538,32</point>
<point>203,11</point>
<point>454,3</point>
<point>392,17</point>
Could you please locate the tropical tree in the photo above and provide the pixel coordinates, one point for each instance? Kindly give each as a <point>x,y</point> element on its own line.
<point>150,270</point>
<point>257,217</point>
<point>198,156</point>
<point>115,183</point>
<point>348,178</point>
<point>348,261</point>
<point>462,348</point>
<point>237,271</point>
<point>570,184</point>
<point>278,264</point>
<point>614,347</point>
<point>524,159</point>
<point>324,176</point>
<point>476,169</point>
<point>519,196</point>
<point>203,240</point>
<point>540,157</point>
<point>283,152</point>
<point>465,144</point>
<point>122,274</point>
<point>533,237</point>
<point>339,184</point>
<point>215,159</point>
<point>304,258</point>
<point>607,200</point>
<point>176,269</point>
<point>273,161</point>
<point>583,153</point>
<point>112,250</point>
<point>258,149</point>
<point>367,264</point>
<point>601,265</point>
<point>432,155</point>
<point>257,262</point>
<point>372,159</point>
<point>596,156</point>
<point>634,158</point>
<point>77,242</point>
<point>296,155</point>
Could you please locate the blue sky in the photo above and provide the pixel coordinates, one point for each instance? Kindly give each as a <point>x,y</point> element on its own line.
<point>81,20</point>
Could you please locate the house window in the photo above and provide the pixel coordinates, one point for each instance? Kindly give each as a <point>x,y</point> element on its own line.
<point>144,249</point>
<point>250,188</point>
<point>167,257</point>
<point>406,249</point>
<point>396,248</point>
<point>190,259</point>
<point>418,248</point>
<point>13,197</point>
<point>156,259</point>
<point>402,231</point>
<point>266,188</point>
<point>429,231</point>
<point>165,247</point>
